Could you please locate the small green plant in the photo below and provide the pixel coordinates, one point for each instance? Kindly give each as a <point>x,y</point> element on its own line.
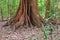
<point>46,31</point>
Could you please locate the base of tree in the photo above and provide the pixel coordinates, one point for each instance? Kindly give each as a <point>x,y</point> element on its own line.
<point>26,15</point>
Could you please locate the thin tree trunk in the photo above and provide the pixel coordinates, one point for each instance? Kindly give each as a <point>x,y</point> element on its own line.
<point>47,9</point>
<point>1,14</point>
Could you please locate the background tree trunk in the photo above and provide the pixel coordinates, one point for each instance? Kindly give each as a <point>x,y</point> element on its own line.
<point>47,8</point>
<point>53,21</point>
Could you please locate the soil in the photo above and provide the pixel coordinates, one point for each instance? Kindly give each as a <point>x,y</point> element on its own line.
<point>22,33</point>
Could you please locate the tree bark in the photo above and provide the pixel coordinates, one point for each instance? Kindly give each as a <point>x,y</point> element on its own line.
<point>26,15</point>
<point>47,9</point>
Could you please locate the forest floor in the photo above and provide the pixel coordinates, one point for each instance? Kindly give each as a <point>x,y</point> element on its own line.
<point>6,33</point>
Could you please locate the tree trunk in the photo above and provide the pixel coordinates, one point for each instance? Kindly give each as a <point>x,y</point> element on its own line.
<point>47,9</point>
<point>53,21</point>
<point>26,15</point>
